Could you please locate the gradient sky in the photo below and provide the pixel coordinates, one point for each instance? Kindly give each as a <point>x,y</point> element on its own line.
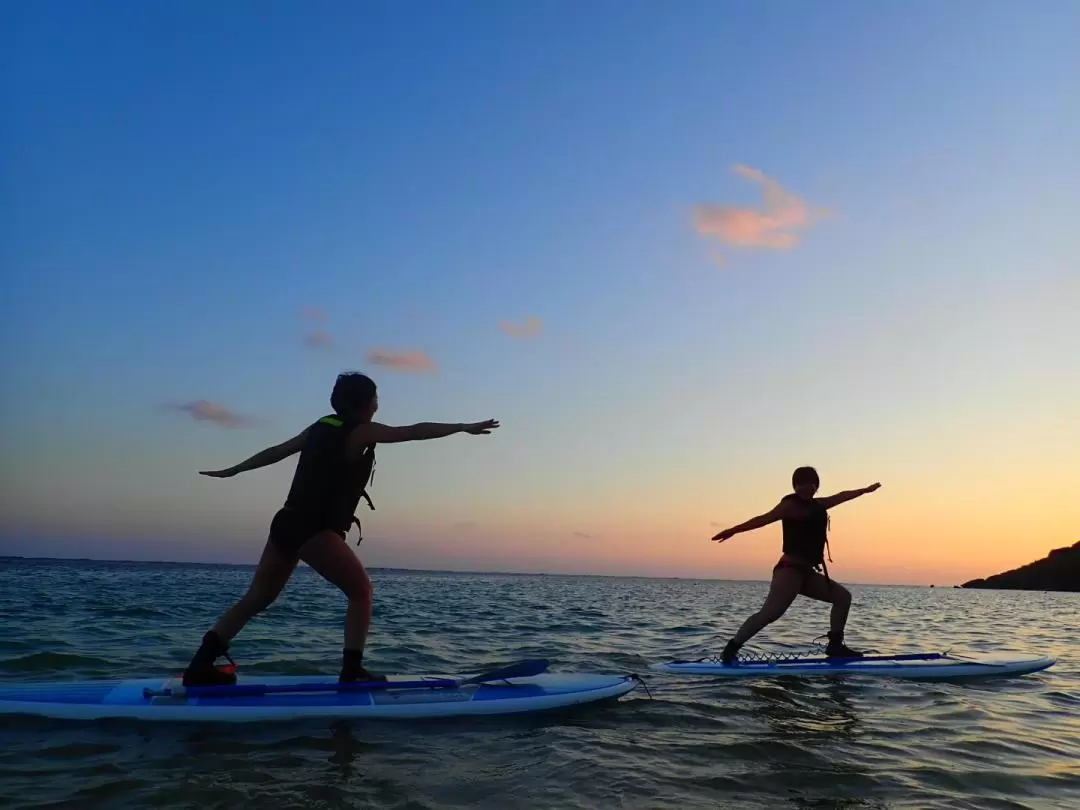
<point>677,249</point>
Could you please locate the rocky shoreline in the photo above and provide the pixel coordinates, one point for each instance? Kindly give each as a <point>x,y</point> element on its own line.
<point>1057,571</point>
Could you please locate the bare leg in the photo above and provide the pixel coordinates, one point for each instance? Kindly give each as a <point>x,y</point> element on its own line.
<point>823,589</point>
<point>275,568</point>
<point>328,554</point>
<point>786,583</point>
<point>816,586</point>
<point>271,577</point>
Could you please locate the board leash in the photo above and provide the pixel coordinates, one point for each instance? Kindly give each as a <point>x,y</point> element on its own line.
<point>638,679</point>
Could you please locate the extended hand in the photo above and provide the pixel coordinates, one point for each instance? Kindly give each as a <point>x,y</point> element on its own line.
<point>873,488</point>
<point>726,534</point>
<point>477,428</point>
<point>229,473</point>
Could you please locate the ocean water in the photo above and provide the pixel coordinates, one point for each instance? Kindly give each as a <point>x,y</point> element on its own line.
<point>792,743</point>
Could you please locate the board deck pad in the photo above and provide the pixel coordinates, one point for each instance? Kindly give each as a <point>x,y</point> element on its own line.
<point>139,698</point>
<point>928,666</point>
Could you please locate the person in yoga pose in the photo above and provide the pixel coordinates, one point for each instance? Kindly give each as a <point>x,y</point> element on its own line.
<point>801,569</point>
<point>337,456</point>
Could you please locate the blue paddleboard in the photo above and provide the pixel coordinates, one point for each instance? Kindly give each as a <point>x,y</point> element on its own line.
<point>291,697</point>
<point>923,666</point>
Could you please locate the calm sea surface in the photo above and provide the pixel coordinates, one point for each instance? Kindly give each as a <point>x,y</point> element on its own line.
<point>798,743</point>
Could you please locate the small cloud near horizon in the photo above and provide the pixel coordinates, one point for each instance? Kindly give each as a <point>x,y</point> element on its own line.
<point>584,536</point>
<point>202,410</point>
<point>777,225</point>
<point>417,362</point>
<point>522,331</point>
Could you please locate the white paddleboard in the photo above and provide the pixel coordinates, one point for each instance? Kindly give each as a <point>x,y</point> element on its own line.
<point>94,700</point>
<point>927,666</point>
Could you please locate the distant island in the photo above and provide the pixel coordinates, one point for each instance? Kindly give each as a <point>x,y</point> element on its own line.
<point>1057,571</point>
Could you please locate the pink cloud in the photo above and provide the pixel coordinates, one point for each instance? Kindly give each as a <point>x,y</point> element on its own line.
<point>775,226</point>
<point>203,411</point>
<point>522,331</point>
<point>409,361</point>
<point>318,339</point>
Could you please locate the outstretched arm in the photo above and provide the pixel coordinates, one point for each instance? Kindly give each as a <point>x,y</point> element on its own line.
<point>848,495</point>
<point>375,433</point>
<point>773,515</point>
<point>264,458</point>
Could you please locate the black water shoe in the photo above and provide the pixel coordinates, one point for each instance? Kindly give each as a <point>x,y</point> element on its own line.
<point>836,648</point>
<point>202,671</point>
<point>728,656</point>
<point>353,670</point>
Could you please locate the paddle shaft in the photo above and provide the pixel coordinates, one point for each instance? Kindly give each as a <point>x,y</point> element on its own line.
<point>255,689</point>
<point>521,669</point>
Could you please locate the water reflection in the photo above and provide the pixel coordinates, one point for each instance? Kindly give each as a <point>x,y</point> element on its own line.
<point>813,726</point>
<point>344,749</point>
<point>795,708</point>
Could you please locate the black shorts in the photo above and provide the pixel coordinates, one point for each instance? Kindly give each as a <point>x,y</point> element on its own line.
<point>799,565</point>
<point>289,530</point>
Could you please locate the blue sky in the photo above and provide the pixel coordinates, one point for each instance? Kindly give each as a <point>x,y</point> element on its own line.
<point>193,189</point>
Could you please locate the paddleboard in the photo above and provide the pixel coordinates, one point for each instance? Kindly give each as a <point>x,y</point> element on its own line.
<point>255,699</point>
<point>923,666</point>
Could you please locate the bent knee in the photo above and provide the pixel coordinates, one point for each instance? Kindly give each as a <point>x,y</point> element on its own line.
<point>841,595</point>
<point>358,588</point>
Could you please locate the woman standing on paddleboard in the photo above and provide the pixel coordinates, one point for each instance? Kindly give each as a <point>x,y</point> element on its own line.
<point>337,454</point>
<point>805,521</point>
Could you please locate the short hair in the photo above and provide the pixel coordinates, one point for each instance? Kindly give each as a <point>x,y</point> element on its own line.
<point>805,475</point>
<point>352,392</point>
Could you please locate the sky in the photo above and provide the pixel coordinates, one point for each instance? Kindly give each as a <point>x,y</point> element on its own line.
<point>676,249</point>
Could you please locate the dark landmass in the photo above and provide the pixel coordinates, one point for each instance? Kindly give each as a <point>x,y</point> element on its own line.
<point>1058,571</point>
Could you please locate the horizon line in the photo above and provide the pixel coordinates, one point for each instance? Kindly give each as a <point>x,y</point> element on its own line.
<point>447,571</point>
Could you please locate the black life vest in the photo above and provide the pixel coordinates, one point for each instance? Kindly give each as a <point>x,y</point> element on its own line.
<point>327,486</point>
<point>807,533</point>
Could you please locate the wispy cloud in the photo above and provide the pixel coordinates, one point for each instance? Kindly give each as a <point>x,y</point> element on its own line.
<point>203,411</point>
<point>777,225</point>
<point>584,536</point>
<point>318,339</point>
<point>522,331</point>
<point>417,362</point>
<point>716,524</point>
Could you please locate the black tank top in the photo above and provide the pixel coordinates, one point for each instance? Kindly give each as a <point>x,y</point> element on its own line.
<point>327,487</point>
<point>806,533</point>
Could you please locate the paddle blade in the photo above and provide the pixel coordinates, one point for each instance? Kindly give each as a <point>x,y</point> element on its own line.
<point>522,669</point>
